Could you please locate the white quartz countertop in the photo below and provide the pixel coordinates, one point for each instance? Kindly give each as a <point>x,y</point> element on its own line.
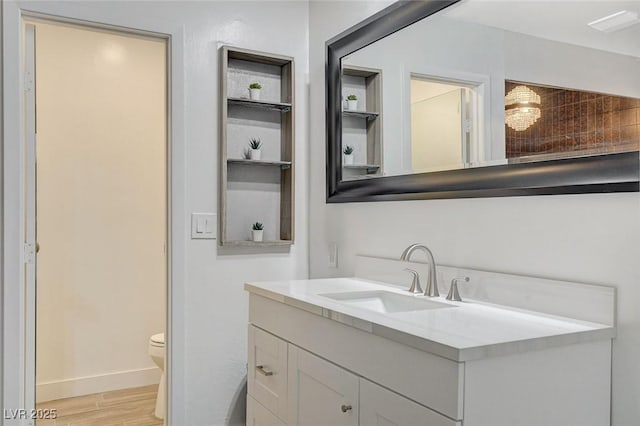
<point>466,331</point>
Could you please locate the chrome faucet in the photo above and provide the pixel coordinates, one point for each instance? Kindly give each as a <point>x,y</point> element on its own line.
<point>432,283</point>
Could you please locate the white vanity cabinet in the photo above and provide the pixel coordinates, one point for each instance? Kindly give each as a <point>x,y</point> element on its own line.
<point>258,415</point>
<point>294,386</point>
<point>312,366</point>
<point>320,393</point>
<point>379,406</point>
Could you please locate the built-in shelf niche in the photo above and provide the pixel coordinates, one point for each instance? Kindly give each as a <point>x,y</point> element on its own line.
<point>362,128</point>
<point>256,190</point>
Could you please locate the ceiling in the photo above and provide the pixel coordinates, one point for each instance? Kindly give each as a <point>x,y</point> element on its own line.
<point>564,21</point>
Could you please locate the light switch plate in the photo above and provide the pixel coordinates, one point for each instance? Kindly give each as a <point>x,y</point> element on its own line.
<point>204,226</point>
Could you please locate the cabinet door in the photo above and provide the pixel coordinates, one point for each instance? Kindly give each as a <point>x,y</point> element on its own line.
<point>257,415</point>
<point>320,393</point>
<point>267,375</point>
<point>381,407</point>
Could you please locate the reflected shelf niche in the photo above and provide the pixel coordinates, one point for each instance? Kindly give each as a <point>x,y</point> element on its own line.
<point>256,190</point>
<point>362,126</point>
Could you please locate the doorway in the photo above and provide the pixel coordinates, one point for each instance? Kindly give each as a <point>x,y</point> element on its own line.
<point>99,218</point>
<point>443,113</point>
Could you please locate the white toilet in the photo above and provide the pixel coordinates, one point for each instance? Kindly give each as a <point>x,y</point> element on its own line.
<point>156,351</point>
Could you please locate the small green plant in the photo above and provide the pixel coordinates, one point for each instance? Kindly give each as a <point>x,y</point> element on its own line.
<point>255,143</point>
<point>348,150</point>
<point>257,226</point>
<point>255,86</point>
<point>352,98</point>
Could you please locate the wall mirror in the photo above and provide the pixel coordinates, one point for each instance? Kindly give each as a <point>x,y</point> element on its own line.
<point>446,99</point>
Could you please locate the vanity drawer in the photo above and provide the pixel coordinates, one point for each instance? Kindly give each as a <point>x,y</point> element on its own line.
<point>267,375</point>
<point>257,415</point>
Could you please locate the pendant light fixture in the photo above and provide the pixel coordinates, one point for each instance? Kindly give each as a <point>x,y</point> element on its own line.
<point>522,108</point>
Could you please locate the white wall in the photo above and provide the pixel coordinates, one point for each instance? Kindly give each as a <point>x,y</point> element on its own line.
<point>101,209</point>
<point>566,65</point>
<point>210,306</point>
<point>589,238</point>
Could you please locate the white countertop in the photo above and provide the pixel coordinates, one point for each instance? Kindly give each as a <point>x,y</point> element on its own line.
<point>468,330</point>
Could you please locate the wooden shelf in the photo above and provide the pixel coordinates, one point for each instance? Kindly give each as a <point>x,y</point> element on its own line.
<point>368,115</point>
<point>246,162</point>
<point>249,243</point>
<point>278,106</point>
<point>370,168</point>
<point>256,190</point>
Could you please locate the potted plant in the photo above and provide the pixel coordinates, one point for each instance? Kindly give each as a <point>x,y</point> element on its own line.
<point>352,102</point>
<point>254,91</point>
<point>255,149</point>
<point>348,155</point>
<point>257,229</point>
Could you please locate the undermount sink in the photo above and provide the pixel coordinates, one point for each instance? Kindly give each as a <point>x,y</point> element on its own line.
<point>385,301</point>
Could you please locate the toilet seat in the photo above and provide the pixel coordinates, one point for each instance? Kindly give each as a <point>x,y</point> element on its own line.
<point>157,339</point>
<point>157,354</point>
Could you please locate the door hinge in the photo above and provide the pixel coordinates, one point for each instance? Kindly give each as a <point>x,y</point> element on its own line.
<point>28,81</point>
<point>468,125</point>
<point>29,253</point>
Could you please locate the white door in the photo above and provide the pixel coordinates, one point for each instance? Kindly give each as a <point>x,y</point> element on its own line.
<point>320,393</point>
<point>30,225</point>
<point>438,136</point>
<point>381,407</point>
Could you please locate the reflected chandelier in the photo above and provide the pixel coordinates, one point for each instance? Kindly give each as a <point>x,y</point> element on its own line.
<point>522,108</point>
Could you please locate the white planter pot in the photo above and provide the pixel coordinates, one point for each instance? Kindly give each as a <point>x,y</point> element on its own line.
<point>254,94</point>
<point>255,154</point>
<point>348,159</point>
<point>352,105</point>
<point>257,235</point>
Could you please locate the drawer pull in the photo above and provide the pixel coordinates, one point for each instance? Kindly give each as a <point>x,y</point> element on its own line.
<point>346,408</point>
<point>260,369</point>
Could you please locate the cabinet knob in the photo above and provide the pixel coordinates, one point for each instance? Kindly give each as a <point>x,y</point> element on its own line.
<point>260,369</point>
<point>346,408</point>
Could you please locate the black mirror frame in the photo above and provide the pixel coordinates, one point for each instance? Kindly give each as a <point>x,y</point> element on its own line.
<point>596,174</point>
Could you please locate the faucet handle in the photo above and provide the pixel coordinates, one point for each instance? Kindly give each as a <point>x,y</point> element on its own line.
<point>453,290</point>
<point>415,283</point>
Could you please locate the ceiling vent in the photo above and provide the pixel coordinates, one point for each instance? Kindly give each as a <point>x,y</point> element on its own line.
<point>615,22</point>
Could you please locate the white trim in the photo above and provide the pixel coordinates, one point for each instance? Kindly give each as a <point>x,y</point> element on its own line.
<point>13,202</point>
<point>481,147</point>
<point>98,383</point>
<point>13,367</point>
<point>30,209</point>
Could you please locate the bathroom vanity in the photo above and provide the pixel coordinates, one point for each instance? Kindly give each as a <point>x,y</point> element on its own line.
<point>354,351</point>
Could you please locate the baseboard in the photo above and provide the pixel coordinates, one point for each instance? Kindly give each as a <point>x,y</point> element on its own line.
<point>95,384</point>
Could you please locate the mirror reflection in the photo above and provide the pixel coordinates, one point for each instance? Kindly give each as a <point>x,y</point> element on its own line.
<point>518,82</point>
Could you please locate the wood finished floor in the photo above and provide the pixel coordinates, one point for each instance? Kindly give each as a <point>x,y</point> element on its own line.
<point>127,407</point>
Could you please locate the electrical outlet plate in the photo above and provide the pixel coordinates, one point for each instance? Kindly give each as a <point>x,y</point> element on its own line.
<point>333,255</point>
